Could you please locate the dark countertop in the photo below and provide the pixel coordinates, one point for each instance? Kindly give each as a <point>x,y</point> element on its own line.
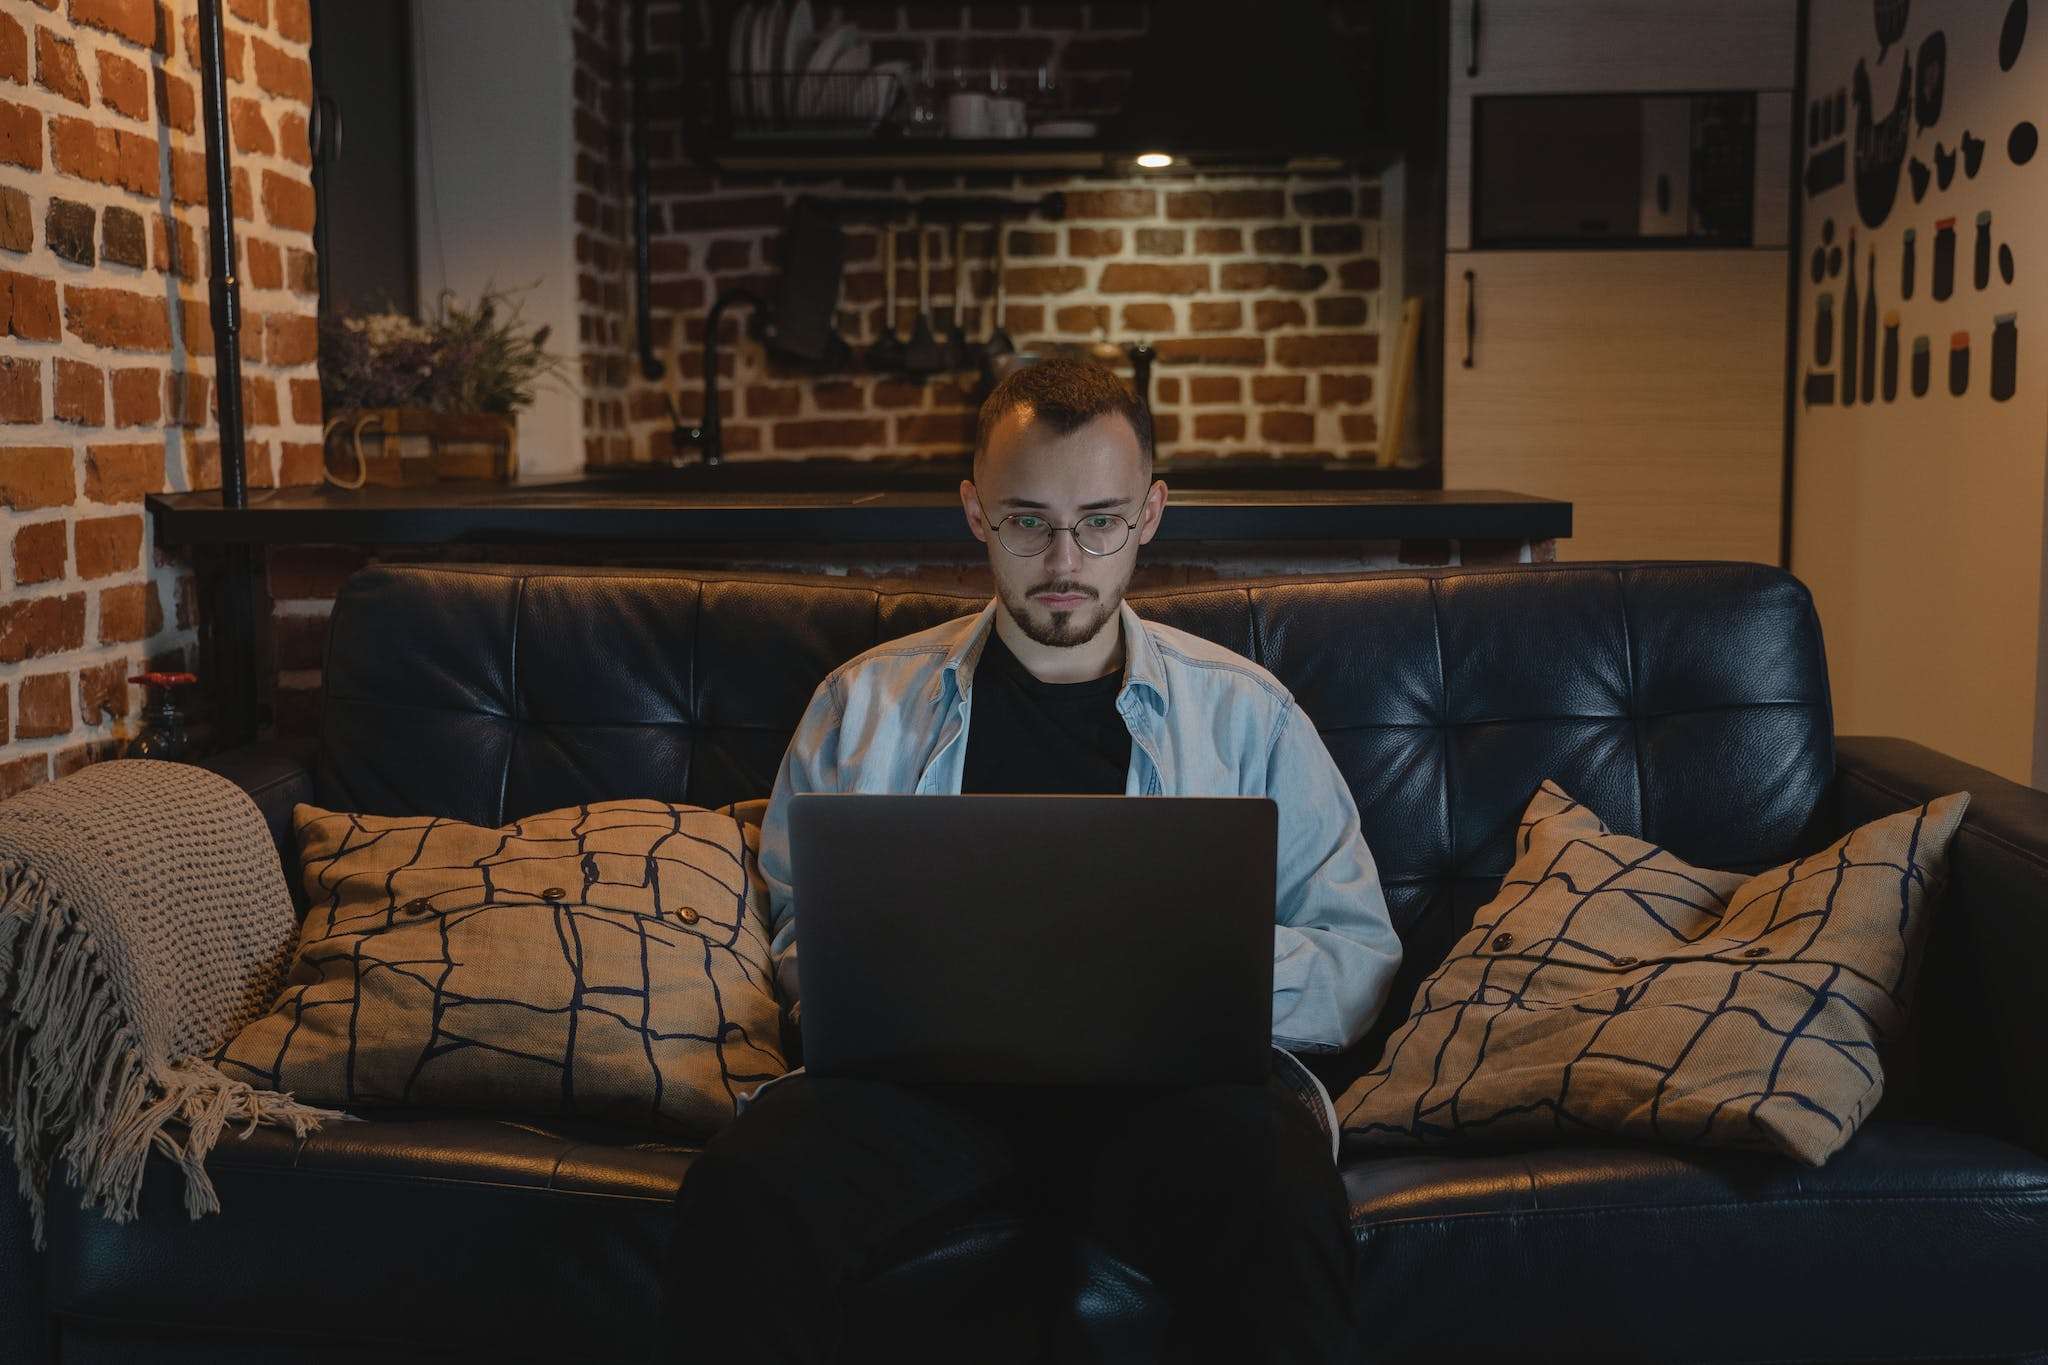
<point>606,510</point>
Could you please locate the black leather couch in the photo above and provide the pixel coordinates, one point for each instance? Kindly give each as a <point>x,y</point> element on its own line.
<point>1685,702</point>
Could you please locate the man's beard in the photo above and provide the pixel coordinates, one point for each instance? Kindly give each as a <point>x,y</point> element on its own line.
<point>1065,629</point>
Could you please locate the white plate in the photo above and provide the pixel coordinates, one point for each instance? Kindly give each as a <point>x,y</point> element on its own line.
<point>814,94</point>
<point>885,79</point>
<point>798,38</point>
<point>737,55</point>
<point>767,54</point>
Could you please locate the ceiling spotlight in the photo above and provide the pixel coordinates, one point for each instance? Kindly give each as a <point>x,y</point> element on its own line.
<point>1154,161</point>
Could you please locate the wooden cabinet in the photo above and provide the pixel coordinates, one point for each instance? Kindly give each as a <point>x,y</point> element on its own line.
<point>1527,46</point>
<point>1651,397</point>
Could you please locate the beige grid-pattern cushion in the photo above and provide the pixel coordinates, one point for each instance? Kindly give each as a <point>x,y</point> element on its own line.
<point>1611,988</point>
<point>602,961</point>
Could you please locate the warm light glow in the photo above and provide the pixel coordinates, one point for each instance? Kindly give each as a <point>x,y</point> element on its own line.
<point>1155,161</point>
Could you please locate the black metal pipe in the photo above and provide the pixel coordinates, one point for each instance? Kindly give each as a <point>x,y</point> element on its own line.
<point>225,291</point>
<point>705,434</point>
<point>650,368</point>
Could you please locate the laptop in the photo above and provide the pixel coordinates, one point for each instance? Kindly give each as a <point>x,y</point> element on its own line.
<point>1058,940</point>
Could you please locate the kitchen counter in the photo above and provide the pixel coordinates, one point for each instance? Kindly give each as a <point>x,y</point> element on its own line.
<point>610,510</point>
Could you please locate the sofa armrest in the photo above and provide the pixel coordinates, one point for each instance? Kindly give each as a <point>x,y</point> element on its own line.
<point>1976,1041</point>
<point>277,775</point>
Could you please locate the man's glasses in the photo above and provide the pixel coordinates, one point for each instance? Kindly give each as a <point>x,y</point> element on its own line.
<point>1098,533</point>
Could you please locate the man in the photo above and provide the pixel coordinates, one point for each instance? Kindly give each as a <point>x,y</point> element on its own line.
<point>1225,1196</point>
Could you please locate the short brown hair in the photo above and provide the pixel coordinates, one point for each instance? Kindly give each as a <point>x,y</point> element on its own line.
<point>1065,395</point>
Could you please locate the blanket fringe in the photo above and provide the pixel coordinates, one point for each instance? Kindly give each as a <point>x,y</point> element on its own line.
<point>75,1085</point>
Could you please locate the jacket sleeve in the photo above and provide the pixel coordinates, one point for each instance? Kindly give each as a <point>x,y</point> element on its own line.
<point>810,764</point>
<point>1334,948</point>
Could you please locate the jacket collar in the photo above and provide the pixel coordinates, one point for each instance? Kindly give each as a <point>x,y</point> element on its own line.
<point>1142,666</point>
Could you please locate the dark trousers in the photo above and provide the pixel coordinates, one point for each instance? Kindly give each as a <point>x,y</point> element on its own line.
<point>1225,1197</point>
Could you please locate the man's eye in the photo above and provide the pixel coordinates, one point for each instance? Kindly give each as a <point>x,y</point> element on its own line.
<point>1098,522</point>
<point>1030,523</point>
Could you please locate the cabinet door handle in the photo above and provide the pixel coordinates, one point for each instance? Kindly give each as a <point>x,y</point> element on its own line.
<point>1472,46</point>
<point>1471,317</point>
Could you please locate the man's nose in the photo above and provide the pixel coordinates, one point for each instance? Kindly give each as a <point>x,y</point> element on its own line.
<point>1065,551</point>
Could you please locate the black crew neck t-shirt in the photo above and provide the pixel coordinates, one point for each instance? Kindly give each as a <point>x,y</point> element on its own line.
<point>1041,738</point>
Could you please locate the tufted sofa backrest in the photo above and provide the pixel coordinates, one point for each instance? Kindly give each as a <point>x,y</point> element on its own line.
<point>1684,702</point>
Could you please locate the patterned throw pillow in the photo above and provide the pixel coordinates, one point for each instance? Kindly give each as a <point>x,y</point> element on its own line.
<point>1612,989</point>
<point>603,961</point>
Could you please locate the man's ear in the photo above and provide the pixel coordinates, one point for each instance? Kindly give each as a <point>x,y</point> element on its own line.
<point>1154,508</point>
<point>970,503</point>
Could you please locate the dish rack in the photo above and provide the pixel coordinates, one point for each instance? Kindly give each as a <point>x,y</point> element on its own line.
<point>767,104</point>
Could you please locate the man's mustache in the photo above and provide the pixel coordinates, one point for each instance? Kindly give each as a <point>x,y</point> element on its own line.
<point>1064,589</point>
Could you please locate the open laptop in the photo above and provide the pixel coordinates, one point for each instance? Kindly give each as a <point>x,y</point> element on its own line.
<point>1064,940</point>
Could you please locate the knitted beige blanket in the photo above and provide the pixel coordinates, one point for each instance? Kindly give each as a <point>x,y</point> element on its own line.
<point>143,921</point>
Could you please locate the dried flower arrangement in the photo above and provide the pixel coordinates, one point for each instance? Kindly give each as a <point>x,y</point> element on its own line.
<point>467,359</point>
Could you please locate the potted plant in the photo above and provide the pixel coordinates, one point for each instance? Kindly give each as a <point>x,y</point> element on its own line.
<point>412,402</point>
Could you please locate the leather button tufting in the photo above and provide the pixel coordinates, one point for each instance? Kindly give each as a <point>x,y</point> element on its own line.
<point>418,906</point>
<point>553,893</point>
<point>1757,952</point>
<point>686,914</point>
<point>1625,961</point>
<point>1501,942</point>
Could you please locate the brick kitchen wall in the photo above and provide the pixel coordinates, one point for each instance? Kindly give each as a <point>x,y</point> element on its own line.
<point>1261,293</point>
<point>106,348</point>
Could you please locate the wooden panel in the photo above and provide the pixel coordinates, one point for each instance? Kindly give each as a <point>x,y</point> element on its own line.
<point>1647,387</point>
<point>1538,45</point>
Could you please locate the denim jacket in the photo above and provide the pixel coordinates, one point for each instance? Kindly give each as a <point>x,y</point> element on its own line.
<point>1203,722</point>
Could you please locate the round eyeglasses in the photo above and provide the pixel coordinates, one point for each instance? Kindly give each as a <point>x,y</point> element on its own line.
<point>1098,533</point>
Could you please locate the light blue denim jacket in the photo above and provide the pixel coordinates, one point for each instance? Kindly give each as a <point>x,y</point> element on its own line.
<point>1203,722</point>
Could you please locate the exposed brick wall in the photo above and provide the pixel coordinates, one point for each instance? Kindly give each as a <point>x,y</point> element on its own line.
<point>1261,293</point>
<point>106,347</point>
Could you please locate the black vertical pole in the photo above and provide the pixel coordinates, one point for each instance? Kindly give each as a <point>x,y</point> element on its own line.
<point>229,629</point>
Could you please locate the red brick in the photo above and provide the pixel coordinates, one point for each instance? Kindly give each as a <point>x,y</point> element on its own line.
<point>1212,388</point>
<point>185,402</point>
<point>1160,242</point>
<point>1023,243</point>
<point>1165,428</point>
<point>300,462</point>
<point>1330,203</point>
<point>134,20</point>
<point>21,390</point>
<point>1268,314</point>
<point>301,271</point>
<point>293,339</point>
<point>36,626</point>
<point>762,211</point>
<point>898,393</point>
<point>1213,241</point>
<point>259,401</point>
<point>1334,239</point>
<point>841,432</point>
<point>138,398</point>
<point>282,74</point>
<point>106,156</point>
<point>1340,310</point>
<point>1148,317</point>
<point>1333,389</point>
<point>838,396</point>
<point>1039,280</point>
<point>1295,428</point>
<point>953,429</point>
<point>107,545</point>
<point>1212,351</point>
<point>69,760</point>
<point>17,220</point>
<point>44,706</point>
<point>1211,315</point>
<point>1274,275</point>
<point>40,553</point>
<point>18,775</point>
<point>6,729</point>
<point>57,68</point>
<point>287,202</point>
<point>21,136</point>
<point>1327,348</point>
<point>1280,388</point>
<point>78,393</point>
<point>264,262</point>
<point>306,406</point>
<point>294,21</point>
<point>122,473</point>
<point>174,247</point>
<point>117,318</point>
<point>1226,204</point>
<point>13,64</point>
<point>1123,277</point>
<point>1219,426</point>
<point>293,142</point>
<point>251,130</point>
<point>312,572</point>
<point>176,103</point>
<point>1360,427</point>
<point>36,476</point>
<point>772,400</point>
<point>130,612</point>
<point>28,307</point>
<point>1364,274</point>
<point>301,641</point>
<point>1167,389</point>
<point>1088,241</point>
<point>123,87</point>
<point>1283,240</point>
<point>232,47</point>
<point>1112,204</point>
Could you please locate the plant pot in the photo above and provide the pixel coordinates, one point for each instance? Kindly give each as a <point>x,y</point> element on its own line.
<point>409,447</point>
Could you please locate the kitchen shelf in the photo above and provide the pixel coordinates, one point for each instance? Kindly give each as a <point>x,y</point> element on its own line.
<point>854,155</point>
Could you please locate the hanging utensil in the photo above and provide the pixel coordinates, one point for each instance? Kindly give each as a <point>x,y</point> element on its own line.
<point>998,351</point>
<point>924,354</point>
<point>959,353</point>
<point>886,355</point>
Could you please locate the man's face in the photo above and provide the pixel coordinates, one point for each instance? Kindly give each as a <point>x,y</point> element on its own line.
<point>1063,597</point>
